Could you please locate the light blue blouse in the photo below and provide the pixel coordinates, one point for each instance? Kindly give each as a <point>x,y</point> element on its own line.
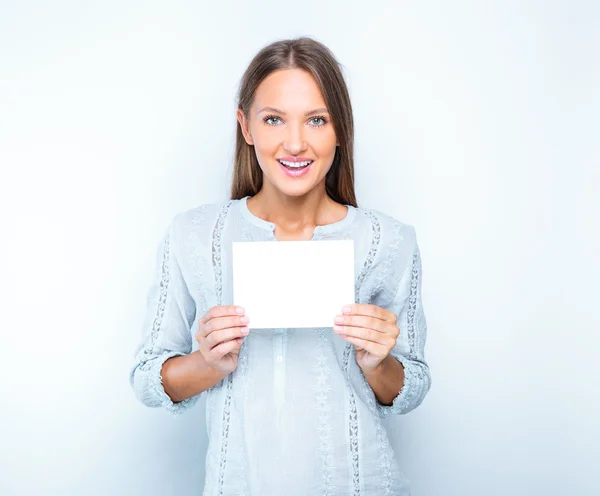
<point>297,416</point>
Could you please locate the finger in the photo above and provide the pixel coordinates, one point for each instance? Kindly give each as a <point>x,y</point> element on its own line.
<point>366,335</point>
<point>214,339</point>
<point>373,348</point>
<point>227,347</point>
<point>221,311</point>
<point>369,311</point>
<point>219,323</point>
<point>365,322</point>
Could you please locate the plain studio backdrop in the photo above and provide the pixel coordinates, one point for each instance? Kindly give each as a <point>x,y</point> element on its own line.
<point>476,122</point>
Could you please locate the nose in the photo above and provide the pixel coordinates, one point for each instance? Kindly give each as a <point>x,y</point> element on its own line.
<point>294,140</point>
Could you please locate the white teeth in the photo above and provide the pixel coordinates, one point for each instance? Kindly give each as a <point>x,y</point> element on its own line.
<point>296,164</point>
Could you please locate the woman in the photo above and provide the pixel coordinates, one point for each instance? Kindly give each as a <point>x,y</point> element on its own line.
<point>289,411</point>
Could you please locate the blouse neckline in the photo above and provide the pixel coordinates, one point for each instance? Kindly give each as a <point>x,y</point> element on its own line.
<point>270,226</point>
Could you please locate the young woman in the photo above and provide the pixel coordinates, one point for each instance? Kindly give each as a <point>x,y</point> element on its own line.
<point>289,411</point>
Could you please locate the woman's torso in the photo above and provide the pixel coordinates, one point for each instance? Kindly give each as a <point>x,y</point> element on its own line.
<point>297,416</point>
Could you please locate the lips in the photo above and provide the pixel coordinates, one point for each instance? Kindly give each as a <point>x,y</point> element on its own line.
<point>295,164</point>
<point>295,169</point>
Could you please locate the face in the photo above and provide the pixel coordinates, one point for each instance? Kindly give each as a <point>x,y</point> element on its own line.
<point>289,122</point>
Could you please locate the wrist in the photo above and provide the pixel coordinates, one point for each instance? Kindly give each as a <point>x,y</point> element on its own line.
<point>376,369</point>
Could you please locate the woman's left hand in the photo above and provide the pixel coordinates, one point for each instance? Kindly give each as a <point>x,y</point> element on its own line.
<point>371,329</point>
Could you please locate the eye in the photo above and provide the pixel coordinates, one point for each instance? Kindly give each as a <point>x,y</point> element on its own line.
<point>319,118</point>
<point>268,118</point>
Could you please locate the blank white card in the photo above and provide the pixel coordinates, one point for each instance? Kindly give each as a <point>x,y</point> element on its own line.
<point>293,283</point>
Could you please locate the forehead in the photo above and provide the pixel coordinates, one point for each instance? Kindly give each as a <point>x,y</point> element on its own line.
<point>289,90</point>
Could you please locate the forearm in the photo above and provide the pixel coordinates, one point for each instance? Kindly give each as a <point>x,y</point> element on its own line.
<point>188,375</point>
<point>386,380</point>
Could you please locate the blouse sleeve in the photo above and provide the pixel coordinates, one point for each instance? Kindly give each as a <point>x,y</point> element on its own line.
<point>409,348</point>
<point>166,331</point>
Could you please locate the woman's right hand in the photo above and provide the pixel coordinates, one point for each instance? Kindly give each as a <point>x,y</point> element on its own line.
<point>221,332</point>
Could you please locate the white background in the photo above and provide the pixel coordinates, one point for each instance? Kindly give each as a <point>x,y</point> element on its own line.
<point>476,122</point>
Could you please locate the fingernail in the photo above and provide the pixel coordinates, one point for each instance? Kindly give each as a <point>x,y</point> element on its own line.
<point>245,330</point>
<point>346,310</point>
<point>338,328</point>
<point>240,310</point>
<point>339,319</point>
<point>244,319</point>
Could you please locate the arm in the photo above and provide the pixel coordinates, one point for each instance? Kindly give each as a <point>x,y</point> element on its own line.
<point>414,381</point>
<point>386,380</point>
<point>164,372</point>
<point>186,376</point>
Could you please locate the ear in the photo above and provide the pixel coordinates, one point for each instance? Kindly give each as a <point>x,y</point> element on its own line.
<point>244,126</point>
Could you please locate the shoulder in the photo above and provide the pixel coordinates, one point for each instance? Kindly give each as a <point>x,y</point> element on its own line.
<point>388,231</point>
<point>193,228</point>
<point>392,246</point>
<point>201,217</point>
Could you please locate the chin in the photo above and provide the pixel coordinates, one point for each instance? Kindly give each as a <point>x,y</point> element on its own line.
<point>295,191</point>
<point>294,187</point>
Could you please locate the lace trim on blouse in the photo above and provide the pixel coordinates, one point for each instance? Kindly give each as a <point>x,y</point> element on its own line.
<point>353,416</point>
<point>162,300</point>
<point>416,378</point>
<point>322,389</point>
<point>216,257</point>
<point>386,452</point>
<point>412,306</point>
<point>353,420</point>
<point>242,375</point>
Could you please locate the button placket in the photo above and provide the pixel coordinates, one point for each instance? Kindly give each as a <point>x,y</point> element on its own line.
<point>279,368</point>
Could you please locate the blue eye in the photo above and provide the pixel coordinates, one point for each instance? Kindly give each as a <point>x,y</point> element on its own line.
<point>321,118</point>
<point>268,118</point>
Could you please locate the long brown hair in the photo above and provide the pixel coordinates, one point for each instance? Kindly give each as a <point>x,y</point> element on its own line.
<point>315,58</point>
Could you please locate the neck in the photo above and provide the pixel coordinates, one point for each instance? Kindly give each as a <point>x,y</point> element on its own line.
<point>295,214</point>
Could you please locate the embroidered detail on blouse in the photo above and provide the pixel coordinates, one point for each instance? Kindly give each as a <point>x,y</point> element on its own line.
<point>405,398</point>
<point>160,311</point>
<point>216,257</point>
<point>412,306</point>
<point>353,416</point>
<point>225,434</point>
<point>194,246</point>
<point>375,239</point>
<point>386,452</point>
<point>353,420</point>
<point>216,251</point>
<point>414,373</point>
<point>386,268</point>
<point>242,376</point>
<point>322,389</point>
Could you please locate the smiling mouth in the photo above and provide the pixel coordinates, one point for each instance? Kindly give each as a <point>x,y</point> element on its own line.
<point>295,166</point>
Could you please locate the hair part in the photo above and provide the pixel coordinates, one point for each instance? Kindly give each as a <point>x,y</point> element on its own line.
<point>312,56</point>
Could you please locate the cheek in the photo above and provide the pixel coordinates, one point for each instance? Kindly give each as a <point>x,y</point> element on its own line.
<point>265,142</point>
<point>325,144</point>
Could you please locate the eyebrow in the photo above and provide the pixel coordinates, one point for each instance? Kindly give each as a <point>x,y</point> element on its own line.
<point>310,112</point>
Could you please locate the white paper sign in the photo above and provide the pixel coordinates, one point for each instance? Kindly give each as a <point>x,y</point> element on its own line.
<point>293,283</point>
